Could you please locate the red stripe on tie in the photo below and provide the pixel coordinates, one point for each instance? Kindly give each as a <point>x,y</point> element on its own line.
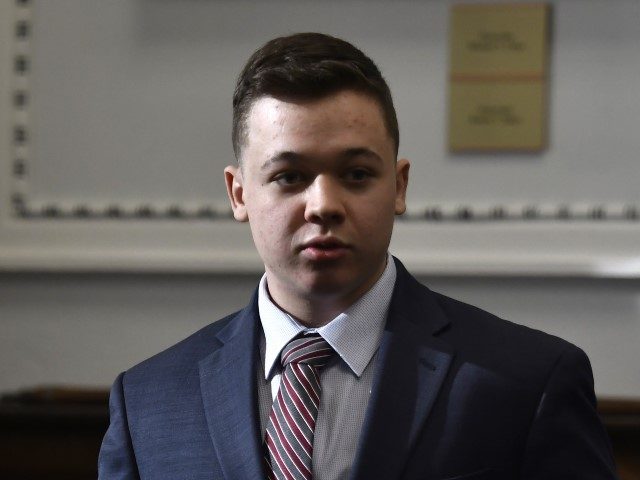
<point>302,439</point>
<point>267,466</point>
<point>325,352</point>
<point>290,451</point>
<point>273,451</point>
<point>306,384</point>
<point>308,343</point>
<point>308,417</point>
<point>289,436</point>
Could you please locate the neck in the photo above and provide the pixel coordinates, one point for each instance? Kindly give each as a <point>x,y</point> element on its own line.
<point>315,309</point>
<point>313,313</point>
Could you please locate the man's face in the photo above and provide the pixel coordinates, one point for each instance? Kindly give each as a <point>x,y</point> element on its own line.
<point>320,187</point>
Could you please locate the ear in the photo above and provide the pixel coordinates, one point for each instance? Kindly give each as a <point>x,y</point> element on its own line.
<point>402,181</point>
<point>235,191</point>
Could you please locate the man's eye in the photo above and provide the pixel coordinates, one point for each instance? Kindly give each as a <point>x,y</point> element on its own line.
<point>358,175</point>
<point>288,178</point>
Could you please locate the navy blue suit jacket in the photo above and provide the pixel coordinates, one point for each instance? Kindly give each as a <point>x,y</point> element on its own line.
<point>458,394</point>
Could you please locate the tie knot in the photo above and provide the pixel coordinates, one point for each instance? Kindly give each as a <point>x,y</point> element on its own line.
<point>311,350</point>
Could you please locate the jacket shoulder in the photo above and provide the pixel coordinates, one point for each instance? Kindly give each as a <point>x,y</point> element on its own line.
<point>180,359</point>
<point>474,331</point>
<point>478,321</point>
<point>484,338</point>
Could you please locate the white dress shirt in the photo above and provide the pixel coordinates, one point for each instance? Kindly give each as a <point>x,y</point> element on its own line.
<point>346,381</point>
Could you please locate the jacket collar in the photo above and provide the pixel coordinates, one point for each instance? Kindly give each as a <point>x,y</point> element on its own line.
<point>228,378</point>
<point>411,366</point>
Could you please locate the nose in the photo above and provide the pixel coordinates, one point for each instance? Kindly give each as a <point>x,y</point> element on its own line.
<point>324,202</point>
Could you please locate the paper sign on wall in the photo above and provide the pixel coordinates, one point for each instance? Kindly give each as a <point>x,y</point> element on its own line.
<point>498,77</point>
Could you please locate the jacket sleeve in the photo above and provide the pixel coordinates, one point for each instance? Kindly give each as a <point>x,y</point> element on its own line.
<point>117,459</point>
<point>567,440</point>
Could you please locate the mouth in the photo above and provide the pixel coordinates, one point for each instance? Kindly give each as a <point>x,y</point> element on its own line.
<point>323,249</point>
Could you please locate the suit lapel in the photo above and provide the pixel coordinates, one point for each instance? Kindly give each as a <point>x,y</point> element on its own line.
<point>229,392</point>
<point>411,366</point>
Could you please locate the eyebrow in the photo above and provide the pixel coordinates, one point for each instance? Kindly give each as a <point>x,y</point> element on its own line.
<point>288,156</point>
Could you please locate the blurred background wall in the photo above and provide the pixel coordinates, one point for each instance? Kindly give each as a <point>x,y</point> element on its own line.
<point>83,328</point>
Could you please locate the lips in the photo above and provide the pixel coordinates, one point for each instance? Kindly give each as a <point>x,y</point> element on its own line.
<point>324,242</point>
<point>324,248</point>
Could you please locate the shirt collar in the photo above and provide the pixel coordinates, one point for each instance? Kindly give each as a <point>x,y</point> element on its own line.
<point>354,334</point>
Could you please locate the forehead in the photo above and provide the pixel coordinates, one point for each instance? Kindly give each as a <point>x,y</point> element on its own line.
<point>345,119</point>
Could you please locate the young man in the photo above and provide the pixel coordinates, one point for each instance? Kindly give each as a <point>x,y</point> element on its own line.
<point>343,365</point>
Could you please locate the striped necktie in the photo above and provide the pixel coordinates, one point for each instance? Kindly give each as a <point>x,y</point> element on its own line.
<point>292,421</point>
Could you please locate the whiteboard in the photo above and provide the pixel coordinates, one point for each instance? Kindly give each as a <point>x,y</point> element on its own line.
<point>117,120</point>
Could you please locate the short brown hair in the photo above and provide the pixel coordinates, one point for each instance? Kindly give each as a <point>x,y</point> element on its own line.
<point>308,66</point>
